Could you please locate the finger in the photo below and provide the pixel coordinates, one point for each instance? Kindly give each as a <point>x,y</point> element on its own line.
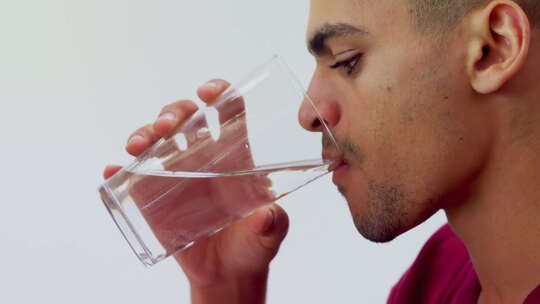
<point>172,116</point>
<point>230,109</point>
<point>141,139</point>
<point>210,91</point>
<point>271,225</point>
<point>227,109</point>
<point>111,170</point>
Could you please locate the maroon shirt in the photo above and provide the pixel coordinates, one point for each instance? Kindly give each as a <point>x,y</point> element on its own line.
<point>442,274</point>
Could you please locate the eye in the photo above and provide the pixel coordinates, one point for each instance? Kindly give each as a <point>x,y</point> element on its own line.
<point>348,65</point>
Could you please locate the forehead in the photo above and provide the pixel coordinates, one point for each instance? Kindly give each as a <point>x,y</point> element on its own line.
<point>375,15</point>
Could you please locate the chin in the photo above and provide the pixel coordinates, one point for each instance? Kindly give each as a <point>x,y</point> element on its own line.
<point>384,211</point>
<point>378,233</point>
<point>382,225</point>
<point>379,223</point>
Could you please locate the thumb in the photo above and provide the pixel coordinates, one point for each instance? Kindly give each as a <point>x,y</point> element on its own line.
<point>270,224</point>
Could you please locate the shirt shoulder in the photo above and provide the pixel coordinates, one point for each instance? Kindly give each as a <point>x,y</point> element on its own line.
<point>438,273</point>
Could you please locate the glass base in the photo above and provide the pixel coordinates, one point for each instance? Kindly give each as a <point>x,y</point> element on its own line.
<point>126,228</point>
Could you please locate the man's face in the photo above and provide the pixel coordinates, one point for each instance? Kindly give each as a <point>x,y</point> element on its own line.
<point>401,109</point>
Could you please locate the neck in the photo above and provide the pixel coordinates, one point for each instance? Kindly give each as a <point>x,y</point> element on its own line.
<point>499,222</point>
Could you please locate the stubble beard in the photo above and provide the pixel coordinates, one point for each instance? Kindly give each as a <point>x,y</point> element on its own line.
<point>384,214</point>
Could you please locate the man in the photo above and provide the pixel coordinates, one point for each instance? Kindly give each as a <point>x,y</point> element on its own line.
<point>436,105</point>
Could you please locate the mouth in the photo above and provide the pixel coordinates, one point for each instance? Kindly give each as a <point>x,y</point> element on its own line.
<point>339,172</point>
<point>335,159</point>
<point>336,164</point>
<point>338,167</point>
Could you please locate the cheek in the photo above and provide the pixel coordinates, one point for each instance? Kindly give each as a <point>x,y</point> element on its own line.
<point>379,104</point>
<point>375,123</point>
<point>408,124</point>
<point>433,153</point>
<point>407,142</point>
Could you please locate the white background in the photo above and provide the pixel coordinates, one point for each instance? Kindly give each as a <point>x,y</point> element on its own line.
<point>76,77</point>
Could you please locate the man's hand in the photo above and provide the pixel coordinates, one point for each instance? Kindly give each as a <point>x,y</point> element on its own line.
<point>232,265</point>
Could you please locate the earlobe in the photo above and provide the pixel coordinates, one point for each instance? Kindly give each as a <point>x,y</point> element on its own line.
<point>499,45</point>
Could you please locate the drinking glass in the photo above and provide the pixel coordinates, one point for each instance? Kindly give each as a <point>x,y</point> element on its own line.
<point>245,150</point>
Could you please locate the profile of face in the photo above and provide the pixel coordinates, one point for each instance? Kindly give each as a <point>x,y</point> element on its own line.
<point>412,129</point>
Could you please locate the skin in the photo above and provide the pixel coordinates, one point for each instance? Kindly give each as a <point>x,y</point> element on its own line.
<point>424,123</point>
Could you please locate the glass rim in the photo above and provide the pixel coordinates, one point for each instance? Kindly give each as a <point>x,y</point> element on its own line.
<point>238,88</point>
<point>288,70</point>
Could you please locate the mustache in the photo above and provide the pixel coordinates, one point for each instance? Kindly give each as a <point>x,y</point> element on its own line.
<point>345,145</point>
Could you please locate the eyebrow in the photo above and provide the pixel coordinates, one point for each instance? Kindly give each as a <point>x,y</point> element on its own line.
<point>317,43</point>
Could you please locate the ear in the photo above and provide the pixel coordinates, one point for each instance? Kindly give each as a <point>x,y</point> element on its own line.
<point>498,50</point>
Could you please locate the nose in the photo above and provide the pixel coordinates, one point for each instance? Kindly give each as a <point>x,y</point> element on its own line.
<point>323,105</point>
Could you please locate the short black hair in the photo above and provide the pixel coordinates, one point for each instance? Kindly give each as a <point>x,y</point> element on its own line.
<point>441,15</point>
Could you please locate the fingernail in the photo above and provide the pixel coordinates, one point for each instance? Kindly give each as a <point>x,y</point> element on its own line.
<point>135,138</point>
<point>211,85</point>
<point>167,116</point>
<point>269,221</point>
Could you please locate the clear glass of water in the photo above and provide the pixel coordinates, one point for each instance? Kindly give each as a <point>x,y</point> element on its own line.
<point>242,152</point>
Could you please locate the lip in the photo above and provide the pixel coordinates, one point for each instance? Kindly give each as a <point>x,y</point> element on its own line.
<point>335,165</point>
<point>338,167</point>
<point>339,172</point>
